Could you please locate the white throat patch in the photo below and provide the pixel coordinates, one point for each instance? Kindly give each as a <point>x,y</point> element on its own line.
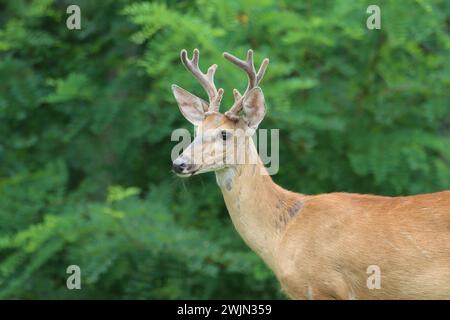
<point>224,178</point>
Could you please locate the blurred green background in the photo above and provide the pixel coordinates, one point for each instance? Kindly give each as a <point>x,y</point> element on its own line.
<point>86,118</point>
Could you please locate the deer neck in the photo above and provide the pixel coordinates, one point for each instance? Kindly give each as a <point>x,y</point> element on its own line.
<point>259,208</point>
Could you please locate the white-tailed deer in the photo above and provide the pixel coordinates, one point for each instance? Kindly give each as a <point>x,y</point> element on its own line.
<point>318,246</point>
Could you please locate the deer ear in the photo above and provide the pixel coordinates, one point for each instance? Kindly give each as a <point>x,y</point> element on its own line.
<point>254,107</point>
<point>192,107</point>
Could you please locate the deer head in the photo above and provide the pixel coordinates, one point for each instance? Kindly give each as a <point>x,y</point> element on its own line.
<point>220,138</point>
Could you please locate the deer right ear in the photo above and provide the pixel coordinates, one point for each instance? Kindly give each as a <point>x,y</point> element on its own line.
<point>254,107</point>
<point>192,107</point>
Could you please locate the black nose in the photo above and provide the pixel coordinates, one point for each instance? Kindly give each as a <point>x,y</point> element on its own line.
<point>179,167</point>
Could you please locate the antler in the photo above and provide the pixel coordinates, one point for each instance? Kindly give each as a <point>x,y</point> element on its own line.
<point>206,80</point>
<point>254,78</point>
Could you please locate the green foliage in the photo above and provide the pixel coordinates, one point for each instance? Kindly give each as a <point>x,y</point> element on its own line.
<point>86,117</point>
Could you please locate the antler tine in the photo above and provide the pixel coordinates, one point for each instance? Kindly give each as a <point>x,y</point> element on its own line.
<point>254,78</point>
<point>262,70</point>
<point>206,80</point>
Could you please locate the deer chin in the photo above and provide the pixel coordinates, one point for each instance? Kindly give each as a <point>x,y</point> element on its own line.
<point>185,175</point>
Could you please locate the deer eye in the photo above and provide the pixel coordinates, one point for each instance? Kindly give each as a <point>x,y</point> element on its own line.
<point>225,135</point>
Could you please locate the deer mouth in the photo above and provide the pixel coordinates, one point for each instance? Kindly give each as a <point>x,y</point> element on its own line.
<point>186,173</point>
<point>198,170</point>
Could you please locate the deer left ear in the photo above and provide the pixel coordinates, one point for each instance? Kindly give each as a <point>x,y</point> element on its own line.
<point>192,107</point>
<point>254,107</point>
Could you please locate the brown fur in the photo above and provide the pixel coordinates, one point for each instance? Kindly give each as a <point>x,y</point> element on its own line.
<point>329,246</point>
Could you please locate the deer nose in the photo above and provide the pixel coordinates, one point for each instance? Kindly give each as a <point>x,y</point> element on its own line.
<point>180,165</point>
